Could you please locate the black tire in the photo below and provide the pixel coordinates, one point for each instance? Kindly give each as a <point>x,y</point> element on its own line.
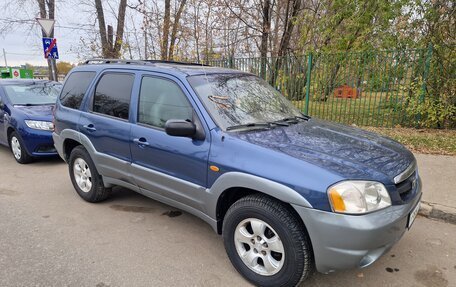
<point>98,192</point>
<point>298,262</point>
<point>24,157</point>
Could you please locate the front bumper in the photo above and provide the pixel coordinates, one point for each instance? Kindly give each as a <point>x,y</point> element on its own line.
<point>354,241</point>
<point>38,143</point>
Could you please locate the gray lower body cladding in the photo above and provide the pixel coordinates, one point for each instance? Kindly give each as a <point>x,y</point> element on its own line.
<point>354,241</point>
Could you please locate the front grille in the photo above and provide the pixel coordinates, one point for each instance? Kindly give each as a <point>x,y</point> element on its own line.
<point>405,188</point>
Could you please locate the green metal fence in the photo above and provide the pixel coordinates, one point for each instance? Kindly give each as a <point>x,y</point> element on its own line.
<point>375,88</point>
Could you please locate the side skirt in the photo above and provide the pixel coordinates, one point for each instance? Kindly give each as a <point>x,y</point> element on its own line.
<point>152,195</point>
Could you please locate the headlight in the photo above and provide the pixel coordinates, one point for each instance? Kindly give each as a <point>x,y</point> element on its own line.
<point>40,125</point>
<point>358,196</point>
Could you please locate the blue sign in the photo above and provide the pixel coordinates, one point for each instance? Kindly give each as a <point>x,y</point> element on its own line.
<point>50,48</point>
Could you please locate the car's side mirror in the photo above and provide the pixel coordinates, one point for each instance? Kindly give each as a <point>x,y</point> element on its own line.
<point>2,105</point>
<point>180,128</point>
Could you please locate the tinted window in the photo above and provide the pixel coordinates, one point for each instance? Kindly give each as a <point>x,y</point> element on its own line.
<point>161,100</point>
<point>112,95</point>
<point>75,88</point>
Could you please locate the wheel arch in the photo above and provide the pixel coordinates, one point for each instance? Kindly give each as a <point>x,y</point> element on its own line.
<point>69,139</point>
<point>245,184</point>
<point>9,131</point>
<point>68,145</point>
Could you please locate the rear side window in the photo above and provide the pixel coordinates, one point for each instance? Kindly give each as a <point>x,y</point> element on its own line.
<point>75,88</point>
<point>112,95</point>
<point>161,100</point>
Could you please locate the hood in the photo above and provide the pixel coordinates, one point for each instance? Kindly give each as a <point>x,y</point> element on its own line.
<point>347,151</point>
<point>43,112</point>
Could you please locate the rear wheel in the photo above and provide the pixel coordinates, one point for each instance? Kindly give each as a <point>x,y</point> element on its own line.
<point>18,149</point>
<point>85,178</point>
<point>266,243</point>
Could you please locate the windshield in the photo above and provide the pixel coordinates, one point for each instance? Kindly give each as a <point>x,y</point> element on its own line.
<point>241,100</point>
<point>33,93</point>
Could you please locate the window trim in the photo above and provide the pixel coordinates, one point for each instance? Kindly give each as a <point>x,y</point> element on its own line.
<point>94,91</point>
<point>59,100</point>
<point>139,101</point>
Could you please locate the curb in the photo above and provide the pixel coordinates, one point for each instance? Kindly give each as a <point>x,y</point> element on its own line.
<point>437,211</point>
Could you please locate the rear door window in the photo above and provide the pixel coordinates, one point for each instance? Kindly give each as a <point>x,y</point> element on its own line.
<point>75,88</point>
<point>112,95</point>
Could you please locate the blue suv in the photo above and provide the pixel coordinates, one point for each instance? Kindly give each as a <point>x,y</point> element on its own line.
<point>287,192</point>
<point>26,117</point>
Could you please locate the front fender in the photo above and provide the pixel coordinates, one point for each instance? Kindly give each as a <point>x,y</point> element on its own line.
<point>243,180</point>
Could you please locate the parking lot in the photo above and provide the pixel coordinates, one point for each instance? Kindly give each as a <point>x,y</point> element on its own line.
<point>50,237</point>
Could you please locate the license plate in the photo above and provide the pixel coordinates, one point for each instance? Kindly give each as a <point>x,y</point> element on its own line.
<point>413,215</point>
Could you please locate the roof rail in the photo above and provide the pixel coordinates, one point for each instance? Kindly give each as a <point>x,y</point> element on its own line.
<point>114,61</point>
<point>175,62</point>
<point>137,62</point>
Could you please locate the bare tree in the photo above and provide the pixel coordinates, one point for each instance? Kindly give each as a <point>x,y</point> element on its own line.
<point>291,15</point>
<point>166,24</point>
<point>175,29</point>
<point>265,35</point>
<point>110,48</point>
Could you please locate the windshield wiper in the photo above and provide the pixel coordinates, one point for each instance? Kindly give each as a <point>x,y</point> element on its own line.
<point>295,119</point>
<point>283,123</point>
<point>250,125</point>
<point>32,105</point>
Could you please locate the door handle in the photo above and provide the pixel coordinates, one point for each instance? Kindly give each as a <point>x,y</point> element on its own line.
<point>90,127</point>
<point>141,142</point>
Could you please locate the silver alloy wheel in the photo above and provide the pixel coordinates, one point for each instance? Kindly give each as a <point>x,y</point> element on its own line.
<point>16,147</point>
<point>82,175</point>
<point>259,246</point>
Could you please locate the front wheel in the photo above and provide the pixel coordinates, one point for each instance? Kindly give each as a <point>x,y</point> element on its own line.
<point>266,243</point>
<point>18,149</point>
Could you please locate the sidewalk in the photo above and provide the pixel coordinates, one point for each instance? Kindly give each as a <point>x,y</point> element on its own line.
<point>438,174</point>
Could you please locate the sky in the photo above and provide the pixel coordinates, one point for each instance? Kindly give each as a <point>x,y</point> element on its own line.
<point>21,47</point>
<point>22,42</point>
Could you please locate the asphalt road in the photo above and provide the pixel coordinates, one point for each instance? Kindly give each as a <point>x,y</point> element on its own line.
<point>51,237</point>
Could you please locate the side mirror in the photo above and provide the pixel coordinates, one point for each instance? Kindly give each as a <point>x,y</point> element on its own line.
<point>180,128</point>
<point>2,105</point>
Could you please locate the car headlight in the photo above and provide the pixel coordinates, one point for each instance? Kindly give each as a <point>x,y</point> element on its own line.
<point>40,125</point>
<point>358,196</point>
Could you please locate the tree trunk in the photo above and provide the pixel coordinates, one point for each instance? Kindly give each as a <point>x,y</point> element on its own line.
<point>196,30</point>
<point>174,30</point>
<point>42,5</point>
<point>166,24</point>
<point>102,26</point>
<point>265,36</point>
<point>289,26</point>
<point>120,29</point>
<point>275,34</point>
<point>206,35</point>
<point>110,42</point>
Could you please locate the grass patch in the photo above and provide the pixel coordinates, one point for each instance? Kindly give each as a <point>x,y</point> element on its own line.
<point>428,141</point>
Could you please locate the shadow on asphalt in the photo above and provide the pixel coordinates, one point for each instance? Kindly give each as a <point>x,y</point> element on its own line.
<point>51,160</point>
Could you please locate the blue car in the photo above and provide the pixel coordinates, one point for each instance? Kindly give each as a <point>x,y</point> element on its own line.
<point>26,126</point>
<point>288,193</point>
